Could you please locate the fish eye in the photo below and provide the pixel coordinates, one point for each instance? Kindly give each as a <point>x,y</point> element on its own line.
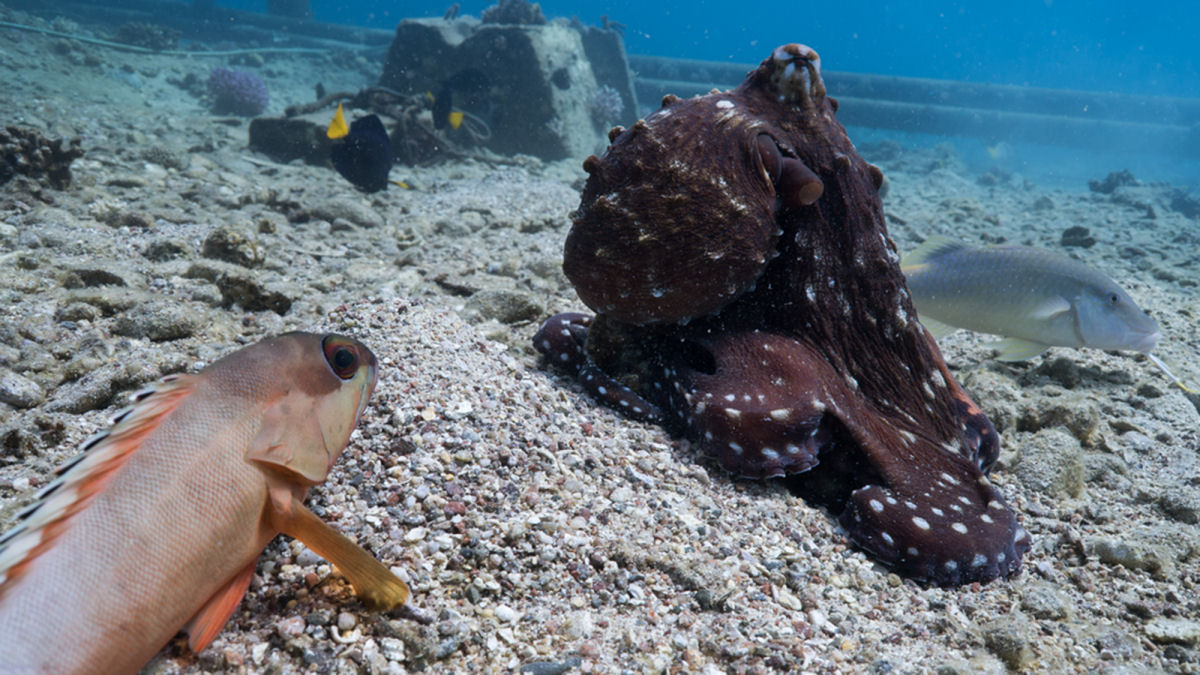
<point>1114,298</point>
<point>340,357</point>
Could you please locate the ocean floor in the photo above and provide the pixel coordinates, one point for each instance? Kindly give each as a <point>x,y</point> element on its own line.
<point>538,530</point>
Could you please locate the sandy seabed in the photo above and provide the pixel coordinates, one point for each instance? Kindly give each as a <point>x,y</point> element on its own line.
<point>538,530</point>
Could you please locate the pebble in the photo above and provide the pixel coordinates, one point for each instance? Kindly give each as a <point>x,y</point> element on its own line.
<point>109,299</point>
<point>166,248</point>
<point>232,245</point>
<point>1182,504</point>
<point>1044,601</point>
<point>504,306</point>
<point>19,391</point>
<point>1051,463</point>
<point>1173,631</point>
<point>90,392</point>
<point>580,624</point>
<point>351,210</point>
<point>505,613</point>
<point>621,494</point>
<point>307,558</point>
<point>239,287</point>
<point>1009,639</point>
<point>290,627</point>
<point>392,649</point>
<point>91,276</point>
<point>1079,236</point>
<point>447,647</point>
<point>346,621</point>
<point>551,667</point>
<point>1131,553</point>
<point>787,599</point>
<point>77,311</point>
<point>159,320</point>
<point>1078,413</point>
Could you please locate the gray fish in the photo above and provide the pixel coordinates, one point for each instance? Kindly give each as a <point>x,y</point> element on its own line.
<point>1036,299</point>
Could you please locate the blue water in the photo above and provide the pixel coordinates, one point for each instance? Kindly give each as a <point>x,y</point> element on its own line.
<point>1108,45</point>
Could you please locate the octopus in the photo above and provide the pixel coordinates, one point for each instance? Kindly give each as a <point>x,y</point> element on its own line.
<point>749,298</point>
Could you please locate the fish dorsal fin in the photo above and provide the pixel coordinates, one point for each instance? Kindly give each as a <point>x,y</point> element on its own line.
<point>1016,349</point>
<point>84,477</point>
<point>936,328</point>
<point>933,247</point>
<point>337,126</point>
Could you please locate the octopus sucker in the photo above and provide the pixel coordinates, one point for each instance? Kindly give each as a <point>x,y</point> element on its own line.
<point>737,254</point>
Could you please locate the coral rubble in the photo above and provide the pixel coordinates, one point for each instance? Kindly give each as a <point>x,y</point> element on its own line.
<point>26,152</point>
<point>520,12</point>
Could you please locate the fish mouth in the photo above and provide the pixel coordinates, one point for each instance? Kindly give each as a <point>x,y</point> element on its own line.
<point>1146,342</point>
<point>369,386</point>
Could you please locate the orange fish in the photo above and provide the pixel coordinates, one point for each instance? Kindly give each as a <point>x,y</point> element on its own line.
<point>158,524</point>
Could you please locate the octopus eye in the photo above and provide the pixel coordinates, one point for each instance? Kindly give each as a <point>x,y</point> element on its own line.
<point>698,358</point>
<point>340,356</point>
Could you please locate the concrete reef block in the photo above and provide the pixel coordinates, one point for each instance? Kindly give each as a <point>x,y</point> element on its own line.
<point>533,85</point>
<point>287,138</point>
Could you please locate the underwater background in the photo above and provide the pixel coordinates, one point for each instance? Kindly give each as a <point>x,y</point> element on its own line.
<point>1108,46</point>
<point>1142,48</point>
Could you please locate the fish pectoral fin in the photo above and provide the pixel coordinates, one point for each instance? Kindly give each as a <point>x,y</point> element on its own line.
<point>1016,349</point>
<point>208,622</point>
<point>373,583</point>
<point>1051,308</point>
<point>936,328</point>
<point>292,443</point>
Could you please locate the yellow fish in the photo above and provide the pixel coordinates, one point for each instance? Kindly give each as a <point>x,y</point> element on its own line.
<point>158,524</point>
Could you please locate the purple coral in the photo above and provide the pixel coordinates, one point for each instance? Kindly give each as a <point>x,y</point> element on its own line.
<point>237,92</point>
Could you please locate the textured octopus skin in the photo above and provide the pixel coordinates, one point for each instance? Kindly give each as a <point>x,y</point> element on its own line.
<point>738,240</point>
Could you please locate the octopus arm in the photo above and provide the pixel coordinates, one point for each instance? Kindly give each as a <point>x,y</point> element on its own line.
<point>767,405</point>
<point>562,339</point>
<point>738,398</point>
<point>950,533</point>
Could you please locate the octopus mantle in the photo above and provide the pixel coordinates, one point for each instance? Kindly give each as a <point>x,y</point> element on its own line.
<point>747,294</point>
